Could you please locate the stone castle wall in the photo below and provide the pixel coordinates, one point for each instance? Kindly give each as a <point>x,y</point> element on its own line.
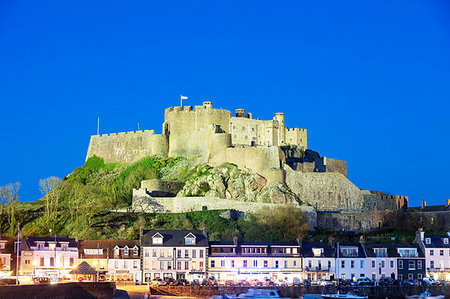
<point>353,221</point>
<point>325,191</point>
<point>142,202</point>
<point>162,186</point>
<point>127,147</point>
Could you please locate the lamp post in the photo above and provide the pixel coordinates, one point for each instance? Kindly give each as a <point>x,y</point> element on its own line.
<point>54,257</point>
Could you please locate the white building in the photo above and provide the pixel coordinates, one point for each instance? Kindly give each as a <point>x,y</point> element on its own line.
<point>437,254</point>
<point>278,261</point>
<point>52,257</point>
<point>5,258</point>
<point>381,261</point>
<point>177,254</point>
<point>319,261</point>
<point>350,261</point>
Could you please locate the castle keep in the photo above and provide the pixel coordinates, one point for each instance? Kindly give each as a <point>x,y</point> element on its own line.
<point>277,154</point>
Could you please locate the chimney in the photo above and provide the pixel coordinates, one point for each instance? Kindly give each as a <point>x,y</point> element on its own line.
<point>299,241</point>
<point>235,240</point>
<point>420,235</point>
<point>331,241</point>
<point>424,203</point>
<point>361,239</point>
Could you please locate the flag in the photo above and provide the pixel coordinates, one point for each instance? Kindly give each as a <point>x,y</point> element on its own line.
<point>184,97</point>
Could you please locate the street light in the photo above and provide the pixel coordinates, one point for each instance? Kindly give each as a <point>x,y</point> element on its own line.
<point>54,256</point>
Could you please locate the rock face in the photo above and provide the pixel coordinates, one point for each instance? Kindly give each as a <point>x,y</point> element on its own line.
<point>227,181</point>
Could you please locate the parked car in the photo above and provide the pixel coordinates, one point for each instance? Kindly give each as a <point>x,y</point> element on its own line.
<point>7,281</point>
<point>408,282</point>
<point>296,281</point>
<point>346,282</point>
<point>323,282</point>
<point>386,281</point>
<point>430,281</point>
<point>41,280</point>
<point>158,282</point>
<point>365,282</point>
<point>306,282</point>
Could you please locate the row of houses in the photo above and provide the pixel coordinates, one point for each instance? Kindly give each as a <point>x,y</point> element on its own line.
<point>188,254</point>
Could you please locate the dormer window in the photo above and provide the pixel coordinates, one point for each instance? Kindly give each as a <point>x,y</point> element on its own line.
<point>445,241</point>
<point>189,239</point>
<point>2,245</point>
<point>135,250</point>
<point>116,251</point>
<point>428,240</point>
<point>157,239</point>
<point>125,250</point>
<point>51,246</point>
<point>40,246</point>
<point>317,251</point>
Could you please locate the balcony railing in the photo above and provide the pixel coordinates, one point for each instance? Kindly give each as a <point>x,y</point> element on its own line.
<point>317,269</point>
<point>443,269</point>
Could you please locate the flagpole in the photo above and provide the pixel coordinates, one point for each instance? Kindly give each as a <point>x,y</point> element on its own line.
<point>181,100</point>
<point>18,248</point>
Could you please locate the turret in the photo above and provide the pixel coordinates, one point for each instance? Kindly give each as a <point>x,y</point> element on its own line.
<point>207,105</point>
<point>240,113</point>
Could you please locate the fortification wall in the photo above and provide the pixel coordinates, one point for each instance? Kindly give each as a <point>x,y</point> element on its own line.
<point>145,203</point>
<point>353,221</point>
<point>191,130</point>
<point>296,136</point>
<point>325,191</point>
<point>333,165</point>
<point>127,147</point>
<point>164,186</point>
<point>262,160</point>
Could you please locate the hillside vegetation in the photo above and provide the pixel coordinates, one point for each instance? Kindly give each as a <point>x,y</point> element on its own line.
<point>85,204</point>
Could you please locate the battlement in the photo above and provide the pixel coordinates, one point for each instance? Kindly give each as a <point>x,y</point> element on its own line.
<point>296,130</point>
<point>207,105</point>
<point>125,133</point>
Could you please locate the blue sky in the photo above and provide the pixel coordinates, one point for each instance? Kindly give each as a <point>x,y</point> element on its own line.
<point>369,80</point>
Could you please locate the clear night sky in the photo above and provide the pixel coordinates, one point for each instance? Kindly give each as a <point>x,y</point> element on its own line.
<point>370,82</point>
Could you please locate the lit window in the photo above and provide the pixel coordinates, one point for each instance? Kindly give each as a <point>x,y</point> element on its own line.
<point>428,240</point>
<point>157,240</point>
<point>190,241</point>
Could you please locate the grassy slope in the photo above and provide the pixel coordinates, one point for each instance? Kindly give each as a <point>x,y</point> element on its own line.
<point>87,198</point>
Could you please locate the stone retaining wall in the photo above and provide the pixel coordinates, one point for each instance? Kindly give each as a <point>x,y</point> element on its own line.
<point>102,290</point>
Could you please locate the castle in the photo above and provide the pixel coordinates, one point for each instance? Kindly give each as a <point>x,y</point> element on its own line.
<point>267,147</point>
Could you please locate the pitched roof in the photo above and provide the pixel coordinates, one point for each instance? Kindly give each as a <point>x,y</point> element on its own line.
<point>107,246</point>
<point>307,248</point>
<point>175,238</point>
<point>32,241</point>
<point>391,248</point>
<point>361,253</point>
<point>437,242</point>
<point>83,268</point>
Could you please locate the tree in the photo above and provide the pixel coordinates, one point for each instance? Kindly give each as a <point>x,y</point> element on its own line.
<point>9,195</point>
<point>47,187</point>
<point>284,223</point>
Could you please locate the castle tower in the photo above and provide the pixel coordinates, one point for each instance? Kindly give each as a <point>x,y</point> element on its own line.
<point>240,113</point>
<point>279,117</point>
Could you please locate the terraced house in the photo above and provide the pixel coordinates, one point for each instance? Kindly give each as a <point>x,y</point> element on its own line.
<point>234,260</point>
<point>437,254</point>
<point>176,254</point>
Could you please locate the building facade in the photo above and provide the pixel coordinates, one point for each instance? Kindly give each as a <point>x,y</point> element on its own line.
<point>52,257</point>
<point>350,261</point>
<point>125,263</point>
<point>319,261</point>
<point>5,258</point>
<point>276,261</point>
<point>381,261</point>
<point>437,254</point>
<point>176,254</point>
